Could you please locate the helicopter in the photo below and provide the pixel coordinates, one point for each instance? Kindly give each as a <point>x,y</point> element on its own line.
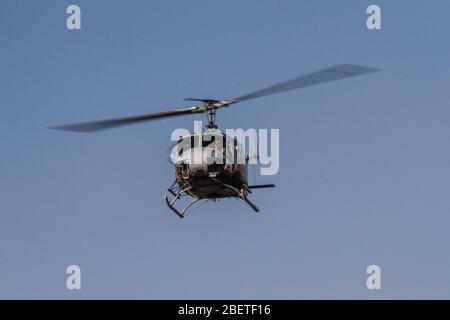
<point>218,175</point>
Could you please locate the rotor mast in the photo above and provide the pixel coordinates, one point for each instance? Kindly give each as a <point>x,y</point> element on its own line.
<point>211,116</point>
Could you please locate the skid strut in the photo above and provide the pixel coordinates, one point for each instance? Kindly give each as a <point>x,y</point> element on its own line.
<point>181,213</point>
<point>241,194</point>
<point>178,192</point>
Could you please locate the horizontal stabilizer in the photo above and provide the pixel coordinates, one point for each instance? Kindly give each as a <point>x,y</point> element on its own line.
<point>261,186</point>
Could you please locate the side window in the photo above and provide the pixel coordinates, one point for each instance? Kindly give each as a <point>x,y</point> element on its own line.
<point>186,143</point>
<point>231,150</point>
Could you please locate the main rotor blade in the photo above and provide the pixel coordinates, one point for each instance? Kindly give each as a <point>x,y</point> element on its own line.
<point>333,73</point>
<point>112,123</point>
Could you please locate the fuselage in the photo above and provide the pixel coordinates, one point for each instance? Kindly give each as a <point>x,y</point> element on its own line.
<point>211,165</point>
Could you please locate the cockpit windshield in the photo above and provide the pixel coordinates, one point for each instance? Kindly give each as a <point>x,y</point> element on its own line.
<point>214,144</point>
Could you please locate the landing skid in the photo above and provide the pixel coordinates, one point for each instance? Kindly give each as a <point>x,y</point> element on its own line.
<point>179,191</point>
<point>181,213</point>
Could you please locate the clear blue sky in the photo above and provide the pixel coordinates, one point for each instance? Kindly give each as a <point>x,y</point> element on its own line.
<point>365,163</point>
